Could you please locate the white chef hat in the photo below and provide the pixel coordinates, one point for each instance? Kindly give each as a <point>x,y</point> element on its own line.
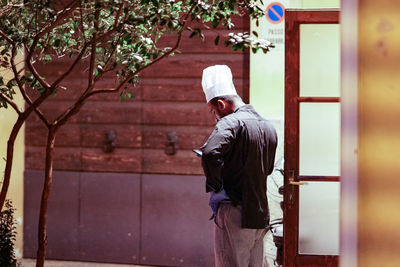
<point>217,81</point>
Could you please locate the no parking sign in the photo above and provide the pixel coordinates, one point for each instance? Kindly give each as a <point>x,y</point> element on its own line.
<point>275,12</point>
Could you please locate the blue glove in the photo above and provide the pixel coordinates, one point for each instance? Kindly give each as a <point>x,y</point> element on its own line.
<point>216,198</point>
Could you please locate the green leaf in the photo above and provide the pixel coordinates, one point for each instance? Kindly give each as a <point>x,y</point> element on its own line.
<point>76,23</point>
<point>57,43</point>
<point>215,23</point>
<point>122,97</point>
<point>236,47</point>
<point>41,90</point>
<point>34,83</point>
<point>11,83</point>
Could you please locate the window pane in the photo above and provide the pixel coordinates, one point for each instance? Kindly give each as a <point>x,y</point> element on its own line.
<point>320,139</point>
<point>320,68</point>
<point>319,218</point>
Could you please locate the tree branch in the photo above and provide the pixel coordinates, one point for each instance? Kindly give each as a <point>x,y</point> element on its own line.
<point>10,102</point>
<point>108,60</point>
<point>71,68</point>
<point>153,62</point>
<point>81,24</point>
<point>79,57</point>
<point>10,145</point>
<point>72,110</point>
<point>16,75</point>
<point>94,44</point>
<point>9,162</point>
<point>36,74</point>
<point>8,39</point>
<point>19,83</point>
<point>8,7</point>
<point>60,17</point>
<point>118,15</point>
<point>42,117</point>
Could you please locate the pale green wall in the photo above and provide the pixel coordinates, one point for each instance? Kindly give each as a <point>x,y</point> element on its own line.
<point>320,3</point>
<point>267,73</point>
<point>267,70</point>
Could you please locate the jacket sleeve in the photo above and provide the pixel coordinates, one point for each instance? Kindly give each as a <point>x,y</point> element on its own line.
<point>217,146</point>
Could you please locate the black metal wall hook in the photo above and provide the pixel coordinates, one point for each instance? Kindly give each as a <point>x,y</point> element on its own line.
<point>109,143</point>
<point>171,146</point>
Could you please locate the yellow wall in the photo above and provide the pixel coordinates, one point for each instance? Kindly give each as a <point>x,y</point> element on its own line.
<point>371,165</point>
<point>379,132</point>
<point>15,192</point>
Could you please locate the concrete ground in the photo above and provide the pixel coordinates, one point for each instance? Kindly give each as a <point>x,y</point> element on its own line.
<point>52,263</point>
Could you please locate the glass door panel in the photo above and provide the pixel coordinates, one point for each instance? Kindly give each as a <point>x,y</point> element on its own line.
<point>319,218</point>
<point>312,138</point>
<point>319,139</point>
<point>319,60</point>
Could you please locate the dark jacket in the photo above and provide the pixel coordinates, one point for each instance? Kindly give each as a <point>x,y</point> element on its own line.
<point>238,156</point>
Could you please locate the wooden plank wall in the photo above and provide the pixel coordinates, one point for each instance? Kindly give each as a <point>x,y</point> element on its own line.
<point>168,98</point>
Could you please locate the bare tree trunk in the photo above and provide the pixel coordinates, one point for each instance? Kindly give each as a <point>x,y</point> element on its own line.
<point>9,160</point>
<point>22,117</point>
<point>42,235</point>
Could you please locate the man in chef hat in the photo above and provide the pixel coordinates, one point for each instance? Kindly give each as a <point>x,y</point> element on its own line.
<point>237,158</point>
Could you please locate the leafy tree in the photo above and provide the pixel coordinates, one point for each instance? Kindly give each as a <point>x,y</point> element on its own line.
<point>7,236</point>
<point>120,37</point>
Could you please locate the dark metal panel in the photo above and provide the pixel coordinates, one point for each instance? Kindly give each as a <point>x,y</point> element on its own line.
<point>110,217</point>
<point>175,229</point>
<point>62,226</point>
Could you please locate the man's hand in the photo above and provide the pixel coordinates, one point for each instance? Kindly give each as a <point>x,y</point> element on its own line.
<point>216,198</point>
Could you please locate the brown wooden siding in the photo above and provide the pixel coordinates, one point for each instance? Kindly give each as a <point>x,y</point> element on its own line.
<point>168,98</point>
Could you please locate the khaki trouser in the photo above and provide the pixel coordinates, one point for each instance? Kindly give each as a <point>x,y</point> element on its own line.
<point>236,246</point>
